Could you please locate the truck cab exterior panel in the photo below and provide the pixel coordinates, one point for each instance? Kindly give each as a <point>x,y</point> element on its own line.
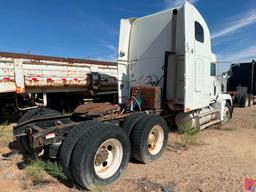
<point>199,82</point>
<point>189,79</point>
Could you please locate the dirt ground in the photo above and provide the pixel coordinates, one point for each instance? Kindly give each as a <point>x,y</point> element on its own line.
<point>219,159</point>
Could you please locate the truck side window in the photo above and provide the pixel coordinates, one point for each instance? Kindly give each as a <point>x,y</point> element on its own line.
<point>222,88</point>
<point>213,69</point>
<point>199,32</point>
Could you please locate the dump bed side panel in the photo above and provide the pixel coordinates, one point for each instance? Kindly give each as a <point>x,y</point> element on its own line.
<point>56,75</point>
<point>7,79</point>
<point>23,75</point>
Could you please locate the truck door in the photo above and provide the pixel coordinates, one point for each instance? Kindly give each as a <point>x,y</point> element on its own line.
<point>189,57</point>
<point>205,76</point>
<point>197,60</point>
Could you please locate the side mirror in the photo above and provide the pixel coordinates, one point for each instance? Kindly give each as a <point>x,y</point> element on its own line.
<point>225,75</point>
<point>122,54</point>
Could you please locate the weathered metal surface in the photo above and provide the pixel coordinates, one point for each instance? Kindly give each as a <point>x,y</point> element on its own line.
<point>31,73</point>
<point>7,87</point>
<point>49,58</point>
<point>174,106</point>
<point>113,117</point>
<point>151,98</point>
<point>40,137</point>
<point>7,79</point>
<point>57,117</point>
<point>233,93</point>
<point>96,109</point>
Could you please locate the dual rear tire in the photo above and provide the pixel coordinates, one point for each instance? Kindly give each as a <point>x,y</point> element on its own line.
<point>101,156</point>
<point>99,152</point>
<point>149,138</point>
<point>247,101</point>
<point>96,157</point>
<point>96,153</point>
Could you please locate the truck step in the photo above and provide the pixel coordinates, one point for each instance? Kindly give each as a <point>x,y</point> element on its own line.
<point>208,113</point>
<point>209,124</point>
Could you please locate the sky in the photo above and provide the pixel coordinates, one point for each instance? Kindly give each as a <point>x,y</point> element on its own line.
<point>90,28</point>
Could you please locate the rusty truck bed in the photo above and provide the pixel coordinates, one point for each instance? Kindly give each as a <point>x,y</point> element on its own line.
<point>22,73</point>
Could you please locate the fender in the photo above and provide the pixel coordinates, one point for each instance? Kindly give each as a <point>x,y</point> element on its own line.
<point>225,97</point>
<point>220,103</point>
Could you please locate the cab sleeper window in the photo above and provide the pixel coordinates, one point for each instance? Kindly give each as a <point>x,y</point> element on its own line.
<point>199,32</point>
<point>213,69</point>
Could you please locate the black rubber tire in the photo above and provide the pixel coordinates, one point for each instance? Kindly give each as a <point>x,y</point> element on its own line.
<point>139,138</point>
<point>28,115</point>
<point>244,101</point>
<point>82,162</point>
<point>251,100</point>
<point>25,145</point>
<point>129,123</point>
<point>35,113</point>
<point>228,105</point>
<point>24,139</point>
<point>39,113</point>
<point>69,143</point>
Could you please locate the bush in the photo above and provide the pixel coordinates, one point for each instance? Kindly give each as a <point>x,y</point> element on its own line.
<point>190,135</point>
<point>38,169</point>
<point>35,169</point>
<point>5,135</point>
<point>54,169</point>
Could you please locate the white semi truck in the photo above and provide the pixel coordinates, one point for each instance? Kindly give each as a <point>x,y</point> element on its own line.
<point>167,78</point>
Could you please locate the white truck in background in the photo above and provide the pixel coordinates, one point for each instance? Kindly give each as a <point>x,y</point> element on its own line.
<point>166,76</point>
<point>28,81</point>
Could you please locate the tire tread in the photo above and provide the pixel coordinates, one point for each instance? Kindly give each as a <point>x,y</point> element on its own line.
<point>138,139</point>
<point>81,150</point>
<point>129,123</point>
<point>69,143</point>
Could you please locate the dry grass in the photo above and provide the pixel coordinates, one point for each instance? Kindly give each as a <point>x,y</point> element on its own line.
<point>38,170</point>
<point>147,185</point>
<point>54,169</point>
<point>5,134</point>
<point>189,136</point>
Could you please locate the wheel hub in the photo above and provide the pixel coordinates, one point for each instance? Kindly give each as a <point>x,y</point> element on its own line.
<point>155,139</point>
<point>151,140</point>
<point>101,157</point>
<point>108,158</point>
